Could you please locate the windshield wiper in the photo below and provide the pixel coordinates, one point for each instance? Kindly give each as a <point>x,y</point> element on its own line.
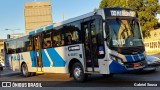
<point>132,25</point>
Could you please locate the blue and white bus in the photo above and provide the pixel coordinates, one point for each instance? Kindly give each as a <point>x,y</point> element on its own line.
<point>105,41</point>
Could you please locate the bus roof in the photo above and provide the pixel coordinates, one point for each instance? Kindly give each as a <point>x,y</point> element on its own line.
<point>51,26</point>
<point>62,23</point>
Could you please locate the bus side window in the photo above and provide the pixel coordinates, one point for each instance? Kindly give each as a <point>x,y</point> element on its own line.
<point>100,37</point>
<point>57,37</point>
<point>20,45</point>
<point>54,42</point>
<point>46,40</point>
<point>72,34</point>
<point>12,47</point>
<point>47,44</point>
<point>27,43</point>
<point>76,36</point>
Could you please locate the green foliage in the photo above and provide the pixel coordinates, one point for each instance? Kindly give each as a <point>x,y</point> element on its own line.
<point>113,3</point>
<point>147,10</point>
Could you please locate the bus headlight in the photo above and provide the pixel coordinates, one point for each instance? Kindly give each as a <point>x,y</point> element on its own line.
<point>119,60</point>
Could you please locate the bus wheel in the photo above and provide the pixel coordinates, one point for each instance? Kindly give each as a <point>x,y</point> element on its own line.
<point>78,72</point>
<point>33,73</point>
<point>25,70</point>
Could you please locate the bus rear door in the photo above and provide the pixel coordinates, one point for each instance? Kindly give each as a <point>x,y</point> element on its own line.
<point>38,56</point>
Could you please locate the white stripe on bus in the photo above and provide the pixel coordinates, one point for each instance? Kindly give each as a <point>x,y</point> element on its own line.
<point>51,63</point>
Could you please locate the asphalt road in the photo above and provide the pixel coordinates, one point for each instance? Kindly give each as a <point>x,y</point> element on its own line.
<point>63,80</point>
<point>137,76</point>
<point>93,82</point>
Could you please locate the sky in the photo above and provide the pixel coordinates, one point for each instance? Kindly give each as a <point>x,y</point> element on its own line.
<point>12,13</point>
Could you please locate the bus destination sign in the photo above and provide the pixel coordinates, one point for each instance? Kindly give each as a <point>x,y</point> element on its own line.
<point>122,13</point>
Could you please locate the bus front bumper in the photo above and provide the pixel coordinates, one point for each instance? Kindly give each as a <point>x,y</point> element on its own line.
<point>116,67</point>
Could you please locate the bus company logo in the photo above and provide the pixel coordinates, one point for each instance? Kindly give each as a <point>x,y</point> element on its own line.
<point>6,84</point>
<point>18,57</point>
<point>73,48</point>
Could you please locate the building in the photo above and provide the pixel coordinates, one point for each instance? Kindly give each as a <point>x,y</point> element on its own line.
<point>1,45</point>
<point>37,15</point>
<point>152,43</point>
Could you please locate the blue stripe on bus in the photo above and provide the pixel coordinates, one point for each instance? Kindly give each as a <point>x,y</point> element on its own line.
<point>142,57</point>
<point>56,58</point>
<point>39,30</point>
<point>32,32</point>
<point>115,67</point>
<point>129,58</point>
<point>45,60</point>
<point>136,57</point>
<point>7,60</point>
<point>48,27</point>
<point>33,58</point>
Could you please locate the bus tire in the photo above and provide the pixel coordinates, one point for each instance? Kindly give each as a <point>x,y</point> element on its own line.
<point>78,72</point>
<point>33,73</point>
<point>25,72</point>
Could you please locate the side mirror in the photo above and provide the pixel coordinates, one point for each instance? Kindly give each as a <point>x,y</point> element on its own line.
<point>107,37</point>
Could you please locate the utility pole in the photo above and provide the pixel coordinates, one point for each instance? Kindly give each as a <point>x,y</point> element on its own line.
<point>63,15</point>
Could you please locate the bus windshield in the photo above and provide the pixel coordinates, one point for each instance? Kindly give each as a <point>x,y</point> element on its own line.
<point>124,33</point>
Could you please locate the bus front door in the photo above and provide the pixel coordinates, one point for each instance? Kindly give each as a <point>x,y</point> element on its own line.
<point>38,55</point>
<point>90,45</point>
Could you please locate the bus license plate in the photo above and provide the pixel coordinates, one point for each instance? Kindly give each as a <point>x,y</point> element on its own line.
<point>136,65</point>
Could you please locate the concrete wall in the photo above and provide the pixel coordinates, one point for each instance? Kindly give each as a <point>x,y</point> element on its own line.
<point>152,43</point>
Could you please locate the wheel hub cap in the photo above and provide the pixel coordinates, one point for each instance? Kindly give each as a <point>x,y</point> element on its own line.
<point>77,72</point>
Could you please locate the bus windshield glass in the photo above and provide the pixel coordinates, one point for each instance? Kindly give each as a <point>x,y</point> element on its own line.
<point>124,33</point>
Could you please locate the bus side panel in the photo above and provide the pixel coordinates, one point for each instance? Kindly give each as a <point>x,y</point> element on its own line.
<point>7,62</point>
<point>8,59</point>
<point>14,62</point>
<point>75,52</point>
<point>56,60</point>
<point>29,59</point>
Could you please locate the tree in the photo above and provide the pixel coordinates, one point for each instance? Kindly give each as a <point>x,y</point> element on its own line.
<point>147,10</point>
<point>113,3</point>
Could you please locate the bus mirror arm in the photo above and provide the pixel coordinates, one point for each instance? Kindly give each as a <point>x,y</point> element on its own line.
<point>107,37</point>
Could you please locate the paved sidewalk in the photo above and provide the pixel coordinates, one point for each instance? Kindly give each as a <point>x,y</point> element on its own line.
<point>8,72</point>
